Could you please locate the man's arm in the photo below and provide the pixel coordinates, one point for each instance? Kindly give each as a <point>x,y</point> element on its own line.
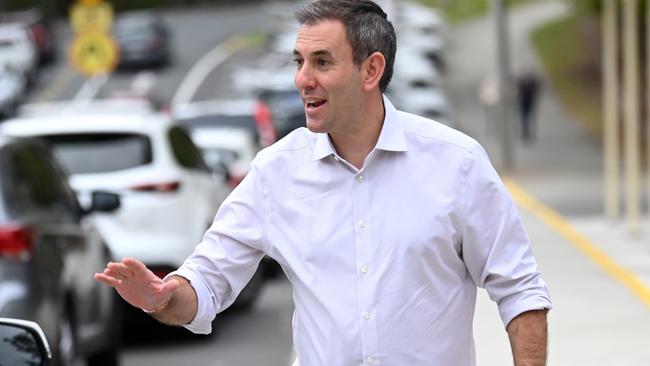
<point>172,301</point>
<point>528,333</point>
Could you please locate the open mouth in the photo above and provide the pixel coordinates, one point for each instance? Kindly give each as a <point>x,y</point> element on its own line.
<point>316,104</point>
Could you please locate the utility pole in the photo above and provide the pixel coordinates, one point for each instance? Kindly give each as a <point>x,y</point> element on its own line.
<point>632,143</point>
<point>611,109</point>
<point>505,84</point>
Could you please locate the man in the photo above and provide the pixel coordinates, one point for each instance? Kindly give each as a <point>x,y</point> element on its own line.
<point>384,222</point>
<point>528,85</point>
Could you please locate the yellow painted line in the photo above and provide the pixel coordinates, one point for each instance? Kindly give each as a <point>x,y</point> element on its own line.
<point>562,226</point>
<point>57,86</point>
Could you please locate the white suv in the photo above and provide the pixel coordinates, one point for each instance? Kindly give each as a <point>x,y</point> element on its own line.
<point>168,195</point>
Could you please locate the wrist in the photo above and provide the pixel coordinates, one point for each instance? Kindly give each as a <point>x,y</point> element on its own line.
<point>158,308</point>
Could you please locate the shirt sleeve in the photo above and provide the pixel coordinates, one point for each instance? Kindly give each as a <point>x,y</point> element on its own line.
<point>495,246</point>
<point>228,256</point>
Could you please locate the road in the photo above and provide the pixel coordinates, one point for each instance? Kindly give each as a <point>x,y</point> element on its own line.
<point>261,336</point>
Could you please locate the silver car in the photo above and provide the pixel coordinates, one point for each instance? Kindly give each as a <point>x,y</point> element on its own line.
<point>49,251</point>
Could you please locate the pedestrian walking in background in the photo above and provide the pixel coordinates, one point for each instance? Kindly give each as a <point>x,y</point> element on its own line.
<point>528,85</point>
<point>384,222</point>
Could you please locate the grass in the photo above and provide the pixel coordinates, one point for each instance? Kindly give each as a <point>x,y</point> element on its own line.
<point>573,76</point>
<point>458,11</point>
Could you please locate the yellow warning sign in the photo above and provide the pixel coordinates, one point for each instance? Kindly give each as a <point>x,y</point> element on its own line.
<point>94,53</point>
<point>91,16</point>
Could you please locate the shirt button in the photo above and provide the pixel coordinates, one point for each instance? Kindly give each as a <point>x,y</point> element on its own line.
<point>364,269</point>
<point>366,315</point>
<point>371,360</point>
<point>362,224</point>
<point>360,178</point>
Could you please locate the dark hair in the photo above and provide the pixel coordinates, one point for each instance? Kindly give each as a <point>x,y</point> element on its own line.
<point>367,29</point>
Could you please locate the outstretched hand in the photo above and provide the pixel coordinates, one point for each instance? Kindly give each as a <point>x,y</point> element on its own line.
<point>137,284</point>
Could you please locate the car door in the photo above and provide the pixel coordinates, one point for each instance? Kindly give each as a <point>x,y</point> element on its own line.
<point>83,248</point>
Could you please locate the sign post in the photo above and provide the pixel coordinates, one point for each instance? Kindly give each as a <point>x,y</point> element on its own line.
<point>93,51</point>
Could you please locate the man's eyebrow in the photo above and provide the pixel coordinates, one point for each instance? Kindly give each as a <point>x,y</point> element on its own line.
<point>315,53</point>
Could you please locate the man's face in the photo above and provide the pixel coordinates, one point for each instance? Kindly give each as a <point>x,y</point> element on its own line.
<point>327,78</point>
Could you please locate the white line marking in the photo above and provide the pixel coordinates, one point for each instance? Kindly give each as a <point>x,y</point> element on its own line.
<point>202,69</point>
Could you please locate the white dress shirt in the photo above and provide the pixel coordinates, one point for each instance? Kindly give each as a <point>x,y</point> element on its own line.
<point>384,260</point>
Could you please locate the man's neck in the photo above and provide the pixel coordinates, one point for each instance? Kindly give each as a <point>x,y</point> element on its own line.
<point>355,146</point>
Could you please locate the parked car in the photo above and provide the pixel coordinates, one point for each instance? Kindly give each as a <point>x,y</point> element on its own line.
<point>49,249</point>
<point>226,149</point>
<point>17,49</point>
<point>230,133</point>
<point>42,32</point>
<point>169,196</point>
<point>12,90</point>
<point>143,39</point>
<point>250,114</point>
<point>422,99</point>
<point>286,107</point>
<point>24,343</point>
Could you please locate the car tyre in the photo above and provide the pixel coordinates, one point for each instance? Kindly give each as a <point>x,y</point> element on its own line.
<point>66,345</point>
<point>107,357</point>
<point>110,356</point>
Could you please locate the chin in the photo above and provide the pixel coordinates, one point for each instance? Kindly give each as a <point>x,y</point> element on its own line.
<point>316,127</point>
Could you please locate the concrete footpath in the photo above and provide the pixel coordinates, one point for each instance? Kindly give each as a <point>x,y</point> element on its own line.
<point>598,275</point>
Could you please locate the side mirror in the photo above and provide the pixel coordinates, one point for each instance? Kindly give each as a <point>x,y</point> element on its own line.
<point>104,202</point>
<point>220,171</point>
<point>23,343</point>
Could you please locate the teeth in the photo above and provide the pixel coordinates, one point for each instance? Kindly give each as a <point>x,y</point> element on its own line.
<point>314,103</point>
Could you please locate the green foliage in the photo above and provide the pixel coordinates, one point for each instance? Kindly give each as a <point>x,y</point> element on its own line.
<point>462,10</point>
<point>564,58</point>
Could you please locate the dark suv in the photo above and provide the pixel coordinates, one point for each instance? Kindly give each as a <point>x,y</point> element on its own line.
<point>49,251</point>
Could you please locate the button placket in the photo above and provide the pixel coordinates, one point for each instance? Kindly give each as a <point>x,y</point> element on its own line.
<point>364,254</point>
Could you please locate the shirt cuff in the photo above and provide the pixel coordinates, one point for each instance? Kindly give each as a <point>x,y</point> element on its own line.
<point>514,305</point>
<point>202,322</point>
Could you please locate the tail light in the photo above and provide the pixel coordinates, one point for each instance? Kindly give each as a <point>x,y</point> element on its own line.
<point>265,123</point>
<point>164,187</point>
<point>39,33</point>
<point>234,180</point>
<point>16,241</point>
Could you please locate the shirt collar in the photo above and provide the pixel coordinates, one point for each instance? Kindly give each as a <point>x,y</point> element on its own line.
<point>391,137</point>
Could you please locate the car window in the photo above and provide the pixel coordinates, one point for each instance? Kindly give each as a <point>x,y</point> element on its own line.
<point>185,152</point>
<point>87,153</point>
<point>32,182</point>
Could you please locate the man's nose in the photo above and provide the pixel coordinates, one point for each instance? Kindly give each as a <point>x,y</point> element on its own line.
<point>304,78</point>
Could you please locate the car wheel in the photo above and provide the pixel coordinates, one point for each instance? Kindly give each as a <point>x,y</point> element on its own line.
<point>108,357</point>
<point>66,348</point>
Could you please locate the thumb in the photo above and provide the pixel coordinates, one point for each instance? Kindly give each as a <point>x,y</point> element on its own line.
<point>168,287</point>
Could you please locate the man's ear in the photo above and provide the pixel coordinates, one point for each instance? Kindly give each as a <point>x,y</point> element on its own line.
<point>373,69</point>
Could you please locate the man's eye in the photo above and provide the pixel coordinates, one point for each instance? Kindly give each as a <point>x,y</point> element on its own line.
<point>298,61</point>
<point>322,62</point>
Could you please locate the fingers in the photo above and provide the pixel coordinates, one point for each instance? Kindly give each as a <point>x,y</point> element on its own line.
<point>111,281</point>
<point>138,268</point>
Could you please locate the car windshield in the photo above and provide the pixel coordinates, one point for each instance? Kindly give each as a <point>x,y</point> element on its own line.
<point>133,28</point>
<point>101,152</point>
<point>215,156</point>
